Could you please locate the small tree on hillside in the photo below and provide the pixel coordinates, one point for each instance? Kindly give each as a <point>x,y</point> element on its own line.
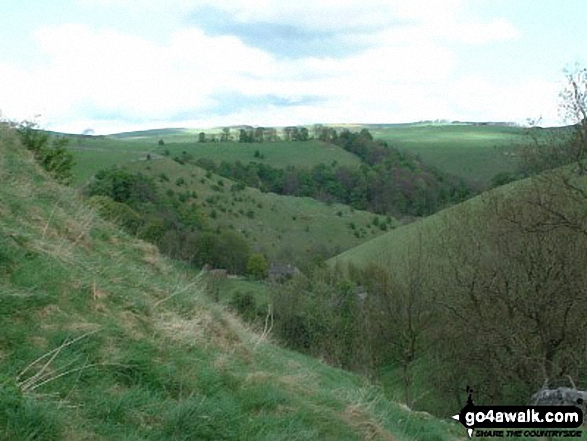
<point>50,153</point>
<point>257,266</point>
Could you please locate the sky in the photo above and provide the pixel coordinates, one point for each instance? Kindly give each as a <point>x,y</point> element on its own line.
<point>121,65</point>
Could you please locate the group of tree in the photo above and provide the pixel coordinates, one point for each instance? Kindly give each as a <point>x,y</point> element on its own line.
<point>258,134</point>
<point>492,295</point>
<point>388,182</point>
<point>172,222</point>
<point>49,151</point>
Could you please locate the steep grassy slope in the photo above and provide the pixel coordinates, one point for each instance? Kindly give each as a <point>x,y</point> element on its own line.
<point>281,226</point>
<point>102,338</point>
<point>392,248</point>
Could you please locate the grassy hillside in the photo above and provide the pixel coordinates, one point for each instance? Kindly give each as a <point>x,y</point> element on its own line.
<point>392,248</point>
<point>95,153</point>
<point>102,338</point>
<point>474,152</point>
<point>283,227</point>
<point>276,154</point>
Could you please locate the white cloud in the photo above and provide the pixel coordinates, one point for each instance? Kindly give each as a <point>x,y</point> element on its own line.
<point>112,80</point>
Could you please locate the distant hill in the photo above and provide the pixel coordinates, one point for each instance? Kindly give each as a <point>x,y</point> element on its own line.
<point>476,151</point>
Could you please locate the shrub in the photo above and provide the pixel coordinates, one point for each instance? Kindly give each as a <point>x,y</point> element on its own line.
<point>122,186</point>
<point>53,157</point>
<point>244,304</point>
<point>257,266</point>
<point>117,212</point>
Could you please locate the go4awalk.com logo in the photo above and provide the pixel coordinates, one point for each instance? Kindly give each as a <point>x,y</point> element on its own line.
<point>520,421</point>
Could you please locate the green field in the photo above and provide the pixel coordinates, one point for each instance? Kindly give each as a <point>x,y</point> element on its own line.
<point>94,154</point>
<point>283,227</point>
<point>103,338</point>
<point>474,152</point>
<point>276,154</point>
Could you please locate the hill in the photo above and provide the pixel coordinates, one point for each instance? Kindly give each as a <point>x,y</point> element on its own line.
<point>285,228</point>
<point>103,338</point>
<point>275,153</point>
<point>495,284</point>
<point>96,153</point>
<point>395,246</point>
<point>474,152</point>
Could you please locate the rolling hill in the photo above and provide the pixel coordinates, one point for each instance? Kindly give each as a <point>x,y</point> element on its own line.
<point>282,227</point>
<point>96,153</point>
<point>474,152</point>
<point>103,338</point>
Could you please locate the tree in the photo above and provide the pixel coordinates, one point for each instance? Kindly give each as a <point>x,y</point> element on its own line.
<point>287,132</point>
<point>304,134</point>
<point>257,266</point>
<point>513,286</point>
<point>258,136</point>
<point>122,186</point>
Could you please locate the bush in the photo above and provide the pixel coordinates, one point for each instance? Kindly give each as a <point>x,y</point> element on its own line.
<point>244,304</point>
<point>117,212</point>
<point>257,266</point>
<point>53,157</point>
<point>122,186</point>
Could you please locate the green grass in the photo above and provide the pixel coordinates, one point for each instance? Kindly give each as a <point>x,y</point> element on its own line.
<point>96,153</point>
<point>474,152</point>
<point>103,338</point>
<point>92,154</point>
<point>282,227</point>
<point>391,249</point>
<point>276,154</point>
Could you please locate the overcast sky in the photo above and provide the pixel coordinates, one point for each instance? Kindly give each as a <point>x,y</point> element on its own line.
<point>120,65</point>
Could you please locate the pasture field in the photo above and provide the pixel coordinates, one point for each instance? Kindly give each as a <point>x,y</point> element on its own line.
<point>94,154</point>
<point>103,338</point>
<point>473,152</point>
<point>282,227</point>
<point>277,154</point>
